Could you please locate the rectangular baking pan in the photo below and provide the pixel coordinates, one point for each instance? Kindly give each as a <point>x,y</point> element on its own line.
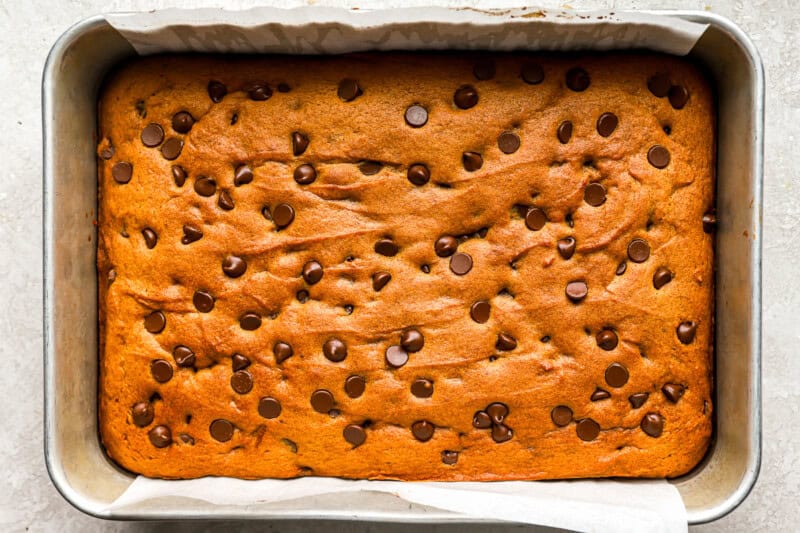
<point>75,459</point>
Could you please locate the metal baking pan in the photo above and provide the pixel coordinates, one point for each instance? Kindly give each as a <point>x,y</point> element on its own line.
<point>75,459</point>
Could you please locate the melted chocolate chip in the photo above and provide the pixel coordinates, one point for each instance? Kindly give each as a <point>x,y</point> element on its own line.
<point>216,91</point>
<point>577,291</point>
<point>305,174</point>
<point>566,247</point>
<point>460,263</point>
<point>250,321</point>
<point>386,247</point>
<point>532,73</point>
<point>472,161</point>
<point>269,407</point>
<point>418,174</point>
<point>481,420</point>
<point>396,356</point>
<point>155,322</point>
<point>160,436</point>
<point>587,429</point>
<point>150,238</point>
<point>606,124</point>
<point>505,342</point>
<point>179,175</point>
<point>203,301</point>
<point>234,266</point>
<point>465,97</point>
<point>334,350</point>
<point>312,272</point>
<point>607,339</point>
<point>172,148</point>
<point>659,85</point>
<point>161,370</point>
<point>422,430</point>
<point>561,415</point>
<point>652,424</point>
<point>416,116</point>
<point>182,122</point>
<point>142,414</point>
<point>283,215</point>
<point>354,386</point>
<point>638,251</point>
<point>480,311</point>
<point>673,391</point>
<point>354,434</point>
<point>412,340</point>
<point>225,201</point>
<point>600,394</point>
<point>535,219</point>
<point>658,156</point>
<point>243,175</point>
<point>661,277</point>
<point>205,186</point>
<point>380,279</point>
<point>594,194</point>
<point>564,132</point>
<point>578,79</point>
<point>184,356</point>
<point>242,382</point>
<point>422,388</point>
<point>282,351</point>
<point>299,143</point>
<point>637,400</point>
<point>152,135</point>
<point>678,96</point>
<point>508,142</point>
<point>349,90</point>
<point>322,401</point>
<point>616,375</point>
<point>191,234</point>
<point>122,172</point>
<point>221,430</point>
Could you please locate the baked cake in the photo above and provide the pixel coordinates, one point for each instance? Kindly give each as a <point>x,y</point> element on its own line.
<point>406,266</point>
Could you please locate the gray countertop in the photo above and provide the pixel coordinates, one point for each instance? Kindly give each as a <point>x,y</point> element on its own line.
<point>28,29</point>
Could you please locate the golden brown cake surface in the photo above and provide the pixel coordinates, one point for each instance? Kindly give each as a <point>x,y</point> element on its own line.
<point>406,266</point>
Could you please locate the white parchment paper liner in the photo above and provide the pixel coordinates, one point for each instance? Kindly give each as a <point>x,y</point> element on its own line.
<point>584,505</point>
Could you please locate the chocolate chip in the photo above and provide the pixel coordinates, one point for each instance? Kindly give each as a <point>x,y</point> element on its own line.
<point>472,161</point>
<point>449,457</point>
<point>150,238</point>
<point>322,401</point>
<point>709,222</point>
<point>299,143</point>
<point>607,339</point>
<point>225,201</point>
<point>508,142</point>
<point>259,92</point>
<point>638,250</point>
<point>221,430</point>
<point>160,436</point>
<point>652,424</point>
<point>578,79</point>
<point>217,91</point>
<point>532,73</point>
<point>305,174</point>
<point>155,322</point>
<point>422,388</point>
<point>171,149</point>
<point>191,234</point>
<point>283,215</point>
<point>386,247</point>
<point>282,351</point>
<point>184,356</point>
<point>354,434</point>
<point>658,156</point>
<point>354,386</point>
<point>107,153</point>
<point>480,311</point>
<point>422,430</point>
<point>637,400</point>
<point>678,96</point>
<point>659,85</point>
<point>242,382</point>
<point>122,172</point>
<point>600,394</point>
<point>661,277</point>
<point>577,291</point>
<point>396,356</point>
<point>594,194</point>
<point>161,370</point>
<point>302,296</point>
<point>616,375</point>
<point>461,263</point>
<point>269,407</point>
<point>416,116</point>
<point>606,124</point>
<point>445,246</point>
<point>234,266</point>
<point>205,186</point>
<point>426,269</point>
<point>243,175</point>
<point>412,340</point>
<point>505,342</point>
<point>152,135</point>
<point>239,362</point>
<point>484,69</point>
<point>182,121</point>
<point>564,132</point>
<point>465,97</point>
<point>501,433</point>
<point>370,168</point>
<point>587,429</point>
<point>234,118</point>
<point>179,175</point>
<point>621,268</point>
<point>497,412</point>
<point>284,87</point>
<point>312,272</point>
<point>186,439</point>
<point>673,391</point>
<point>380,279</point>
<point>349,90</point>
<point>418,174</point>
<point>203,301</point>
<point>250,321</point>
<point>566,247</point>
<point>535,219</point>
<point>334,350</point>
<point>348,309</point>
<point>142,414</point>
<point>561,415</point>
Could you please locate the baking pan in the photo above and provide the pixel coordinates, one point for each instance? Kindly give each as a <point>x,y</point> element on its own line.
<point>75,459</point>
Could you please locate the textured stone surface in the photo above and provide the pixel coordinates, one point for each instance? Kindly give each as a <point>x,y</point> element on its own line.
<point>28,29</point>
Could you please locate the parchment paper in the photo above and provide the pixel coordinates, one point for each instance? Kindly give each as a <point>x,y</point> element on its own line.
<point>587,505</point>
